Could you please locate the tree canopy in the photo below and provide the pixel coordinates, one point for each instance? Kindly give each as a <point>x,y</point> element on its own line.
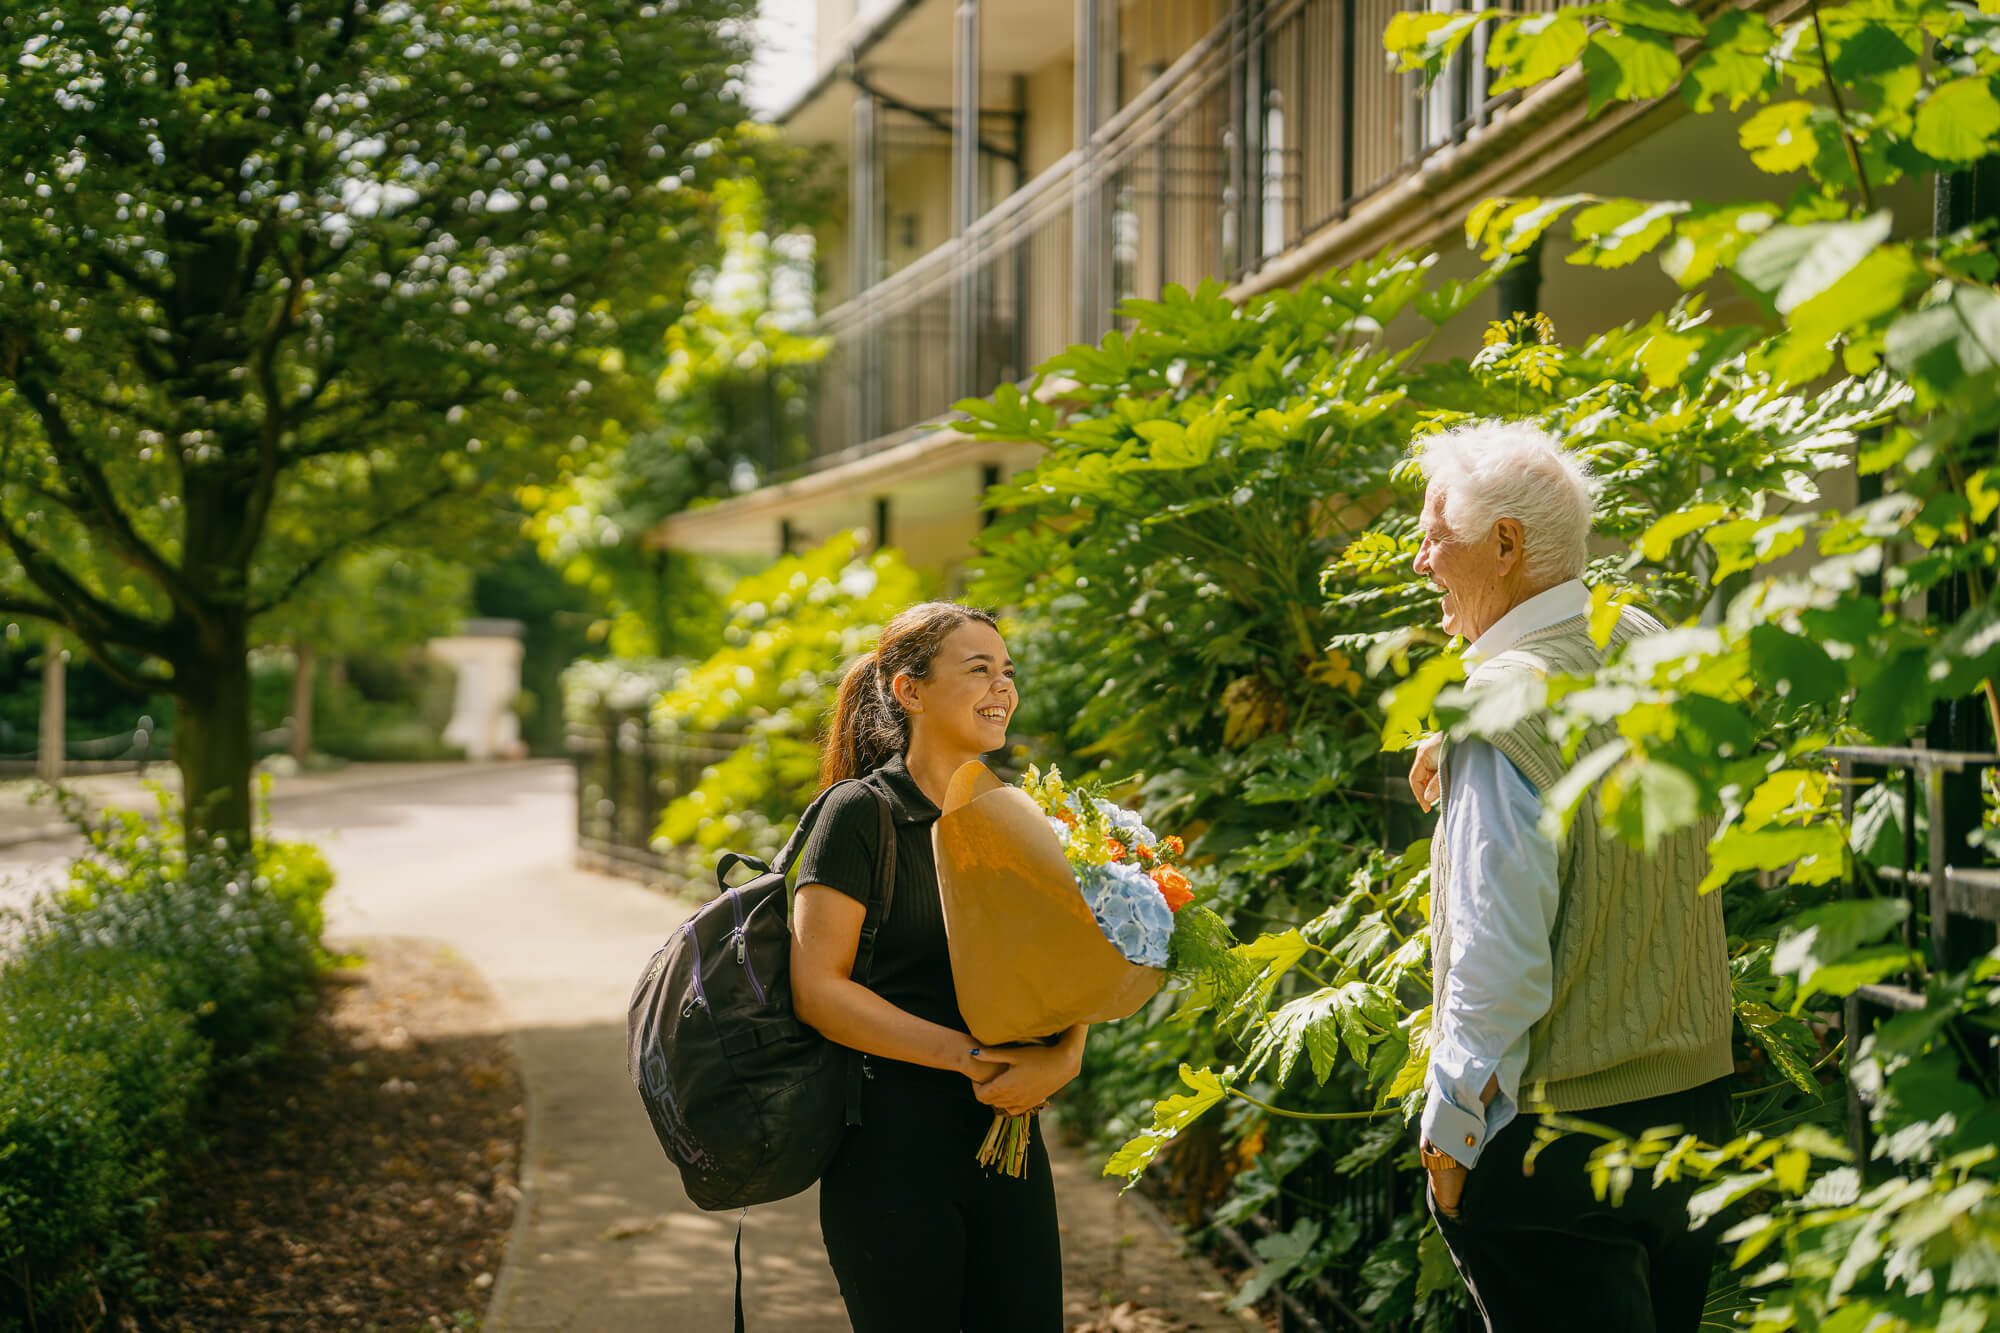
<point>280,282</point>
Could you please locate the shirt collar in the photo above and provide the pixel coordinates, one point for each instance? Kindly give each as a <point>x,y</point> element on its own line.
<point>1552,606</point>
<point>906,799</point>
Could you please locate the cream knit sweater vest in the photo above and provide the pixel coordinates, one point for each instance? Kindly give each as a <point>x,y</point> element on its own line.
<point>1641,1001</point>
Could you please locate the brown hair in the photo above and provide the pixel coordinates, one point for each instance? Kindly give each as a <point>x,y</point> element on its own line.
<point>869,726</point>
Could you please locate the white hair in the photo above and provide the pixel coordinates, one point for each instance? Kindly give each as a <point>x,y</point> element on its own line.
<point>1492,470</point>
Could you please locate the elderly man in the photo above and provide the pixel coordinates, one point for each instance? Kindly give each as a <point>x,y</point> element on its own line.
<point>1584,976</point>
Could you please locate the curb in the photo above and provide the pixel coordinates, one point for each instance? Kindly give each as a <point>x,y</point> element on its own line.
<point>513,1255</point>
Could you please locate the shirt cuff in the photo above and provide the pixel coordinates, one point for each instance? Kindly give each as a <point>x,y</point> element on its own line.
<point>1452,1129</point>
<point>1454,1121</point>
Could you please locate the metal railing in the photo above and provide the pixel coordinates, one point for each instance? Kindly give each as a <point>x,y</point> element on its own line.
<point>120,752</point>
<point>1277,124</point>
<point>1952,889</point>
<point>625,778</point>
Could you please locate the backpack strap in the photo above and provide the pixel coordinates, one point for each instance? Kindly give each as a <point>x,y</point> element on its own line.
<point>883,894</point>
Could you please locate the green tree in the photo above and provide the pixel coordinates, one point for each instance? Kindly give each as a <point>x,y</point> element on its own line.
<point>736,372</point>
<point>276,283</point>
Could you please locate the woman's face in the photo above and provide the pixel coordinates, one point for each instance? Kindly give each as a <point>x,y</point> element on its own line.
<point>967,699</point>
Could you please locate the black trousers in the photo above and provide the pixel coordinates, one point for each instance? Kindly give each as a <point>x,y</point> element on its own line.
<point>1540,1254</point>
<point>922,1238</point>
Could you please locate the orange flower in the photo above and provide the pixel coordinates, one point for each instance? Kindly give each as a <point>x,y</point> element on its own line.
<point>1173,887</point>
<point>1145,853</point>
<point>1114,849</point>
<point>1174,845</point>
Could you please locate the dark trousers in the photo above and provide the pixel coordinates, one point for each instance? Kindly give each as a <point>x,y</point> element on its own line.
<point>1541,1254</point>
<point>924,1239</point>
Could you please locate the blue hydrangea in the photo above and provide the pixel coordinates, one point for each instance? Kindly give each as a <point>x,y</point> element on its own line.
<point>1062,831</point>
<point>1126,822</point>
<point>1130,912</point>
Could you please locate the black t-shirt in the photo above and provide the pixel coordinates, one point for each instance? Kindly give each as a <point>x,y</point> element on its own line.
<point>912,967</point>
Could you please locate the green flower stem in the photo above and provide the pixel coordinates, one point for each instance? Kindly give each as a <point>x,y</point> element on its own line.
<point>1308,1115</point>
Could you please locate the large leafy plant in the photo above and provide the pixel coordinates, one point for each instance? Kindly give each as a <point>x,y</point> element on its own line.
<point>790,632</point>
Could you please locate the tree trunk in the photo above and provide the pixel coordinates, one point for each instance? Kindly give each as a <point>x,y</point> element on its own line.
<point>49,762</point>
<point>214,745</point>
<point>302,700</point>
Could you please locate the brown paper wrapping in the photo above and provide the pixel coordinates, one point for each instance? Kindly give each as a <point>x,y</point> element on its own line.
<point>1026,954</point>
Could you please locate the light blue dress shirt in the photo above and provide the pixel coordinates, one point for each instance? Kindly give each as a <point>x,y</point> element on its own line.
<point>1502,913</point>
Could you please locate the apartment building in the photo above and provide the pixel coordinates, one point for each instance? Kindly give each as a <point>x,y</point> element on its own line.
<point>1014,169</point>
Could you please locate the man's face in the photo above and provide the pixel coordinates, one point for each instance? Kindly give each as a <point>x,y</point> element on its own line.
<point>1467,566</point>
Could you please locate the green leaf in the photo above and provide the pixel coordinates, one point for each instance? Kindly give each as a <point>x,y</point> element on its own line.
<point>1794,667</point>
<point>1281,1251</point>
<point>1876,286</point>
<point>1958,121</point>
<point>1406,707</point>
<point>1732,67</point>
<point>1784,1040</point>
<point>1864,967</point>
<point>1426,40</point>
<point>1893,696</point>
<point>1535,49</point>
<point>1274,955</point>
<point>1417,1028</point>
<point>1790,791</point>
<point>1796,264</point>
<point>1836,933</point>
<point>1946,344</point>
<point>1817,853</point>
<point>1968,653</point>
<point>1646,800</point>
<point>1435,1270</point>
<point>1656,15</point>
<point>1779,138</point>
<point>1619,231</point>
<point>1659,539</point>
<point>1629,67</point>
<point>1666,357</point>
<point>1171,1115</point>
<point>1563,799</point>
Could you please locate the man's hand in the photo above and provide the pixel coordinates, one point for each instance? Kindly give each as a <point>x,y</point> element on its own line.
<point>1447,1180</point>
<point>1425,782</point>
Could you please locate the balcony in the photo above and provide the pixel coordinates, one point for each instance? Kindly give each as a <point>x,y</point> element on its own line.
<point>1180,186</point>
<point>1253,152</point>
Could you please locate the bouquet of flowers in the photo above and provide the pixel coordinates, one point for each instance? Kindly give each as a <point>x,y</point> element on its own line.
<point>1059,908</point>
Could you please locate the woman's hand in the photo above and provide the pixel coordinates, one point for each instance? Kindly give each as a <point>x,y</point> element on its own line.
<point>980,1070</point>
<point>1032,1075</point>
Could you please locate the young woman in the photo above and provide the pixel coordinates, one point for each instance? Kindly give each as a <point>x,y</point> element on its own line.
<point>922,1238</point>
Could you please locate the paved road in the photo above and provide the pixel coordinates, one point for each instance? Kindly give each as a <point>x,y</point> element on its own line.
<point>480,858</point>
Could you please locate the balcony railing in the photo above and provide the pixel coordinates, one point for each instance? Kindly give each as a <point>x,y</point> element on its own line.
<point>1277,123</point>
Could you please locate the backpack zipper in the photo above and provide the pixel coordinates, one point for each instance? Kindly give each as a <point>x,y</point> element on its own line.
<point>743,947</point>
<point>700,999</point>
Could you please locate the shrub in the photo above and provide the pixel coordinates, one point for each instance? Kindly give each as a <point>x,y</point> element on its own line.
<point>122,1002</point>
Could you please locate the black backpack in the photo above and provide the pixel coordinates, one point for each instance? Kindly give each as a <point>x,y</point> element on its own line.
<point>748,1102</point>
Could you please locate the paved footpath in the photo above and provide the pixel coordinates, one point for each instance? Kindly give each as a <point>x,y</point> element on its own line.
<point>605,1241</point>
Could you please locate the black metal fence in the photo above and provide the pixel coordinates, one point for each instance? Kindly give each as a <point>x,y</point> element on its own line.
<point>1951,885</point>
<point>120,752</point>
<point>626,776</point>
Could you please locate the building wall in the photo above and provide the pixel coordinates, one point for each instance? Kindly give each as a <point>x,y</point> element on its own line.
<point>917,184</point>
<point>1049,98</point>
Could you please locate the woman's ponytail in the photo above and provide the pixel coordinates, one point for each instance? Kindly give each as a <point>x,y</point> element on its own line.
<point>864,723</point>
<point>868,727</point>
